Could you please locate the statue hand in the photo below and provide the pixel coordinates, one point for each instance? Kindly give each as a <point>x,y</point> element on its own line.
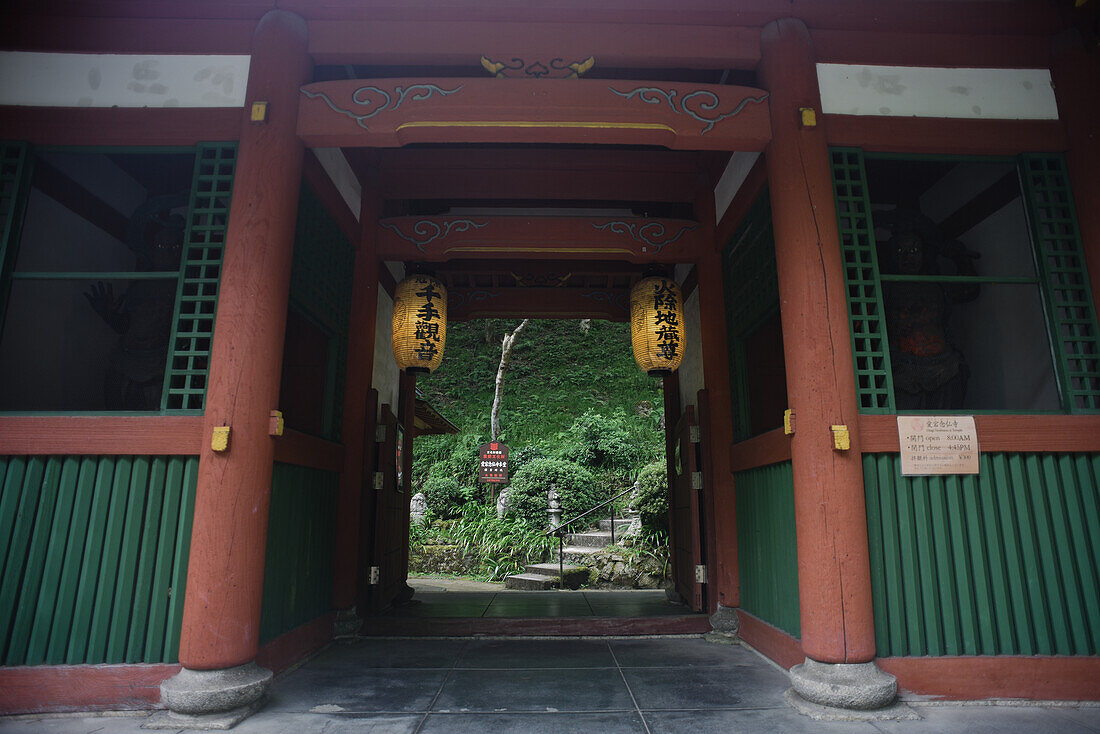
<point>101,297</point>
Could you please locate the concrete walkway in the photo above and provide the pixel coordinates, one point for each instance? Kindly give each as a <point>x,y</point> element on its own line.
<point>682,684</point>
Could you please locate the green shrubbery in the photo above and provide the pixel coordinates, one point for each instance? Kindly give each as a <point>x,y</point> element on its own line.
<point>652,497</point>
<point>531,484</point>
<point>445,496</point>
<point>602,442</point>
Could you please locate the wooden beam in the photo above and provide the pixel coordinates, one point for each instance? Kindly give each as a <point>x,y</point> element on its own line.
<point>612,304</point>
<point>119,126</point>
<point>105,435</point>
<point>54,34</point>
<point>636,240</point>
<point>982,206</point>
<point>77,199</point>
<point>767,448</point>
<point>945,137</point>
<point>463,43</point>
<point>1069,434</point>
<point>932,49</point>
<point>746,196</point>
<point>390,113</point>
<point>301,449</point>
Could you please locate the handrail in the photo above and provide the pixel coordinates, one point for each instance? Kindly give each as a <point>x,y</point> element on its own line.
<point>560,528</point>
<point>560,531</point>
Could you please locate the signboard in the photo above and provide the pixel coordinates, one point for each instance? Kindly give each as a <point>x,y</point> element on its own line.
<point>494,463</point>
<point>938,444</point>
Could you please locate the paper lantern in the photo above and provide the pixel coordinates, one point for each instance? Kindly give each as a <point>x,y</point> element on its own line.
<point>419,323</point>
<point>657,325</point>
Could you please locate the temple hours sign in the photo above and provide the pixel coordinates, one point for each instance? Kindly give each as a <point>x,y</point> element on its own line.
<point>938,444</point>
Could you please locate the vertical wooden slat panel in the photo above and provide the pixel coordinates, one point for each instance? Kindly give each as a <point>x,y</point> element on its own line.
<point>108,567</point>
<point>143,585</point>
<point>127,566</point>
<point>162,574</point>
<point>1012,549</point>
<point>14,470</point>
<point>45,607</point>
<point>181,555</point>
<point>876,553</point>
<point>1026,643</point>
<point>19,546</point>
<point>74,557</point>
<point>995,547</point>
<point>89,571</point>
<point>36,562</point>
<point>766,545</point>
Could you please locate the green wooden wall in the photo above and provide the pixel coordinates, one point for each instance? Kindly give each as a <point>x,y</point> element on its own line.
<point>1000,563</point>
<point>766,545</point>
<point>300,546</point>
<point>93,552</point>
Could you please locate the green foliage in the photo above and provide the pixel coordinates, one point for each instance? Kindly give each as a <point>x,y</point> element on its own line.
<point>603,442</point>
<point>530,485</point>
<point>652,498</point>
<point>503,546</point>
<point>557,373</point>
<point>444,495</point>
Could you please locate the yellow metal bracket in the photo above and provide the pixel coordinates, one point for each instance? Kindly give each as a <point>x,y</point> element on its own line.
<point>277,424</point>
<point>788,422</point>
<point>220,440</point>
<point>842,439</point>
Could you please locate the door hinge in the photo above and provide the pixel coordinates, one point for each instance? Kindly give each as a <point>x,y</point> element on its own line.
<point>379,480</point>
<point>700,574</point>
<point>693,433</point>
<point>375,574</point>
<point>697,480</point>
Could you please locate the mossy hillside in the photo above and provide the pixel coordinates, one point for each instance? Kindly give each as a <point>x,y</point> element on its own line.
<point>558,371</point>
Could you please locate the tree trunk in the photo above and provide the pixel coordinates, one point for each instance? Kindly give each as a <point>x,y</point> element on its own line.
<point>505,352</point>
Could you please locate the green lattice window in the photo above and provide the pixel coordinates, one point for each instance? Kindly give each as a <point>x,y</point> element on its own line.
<point>111,261</point>
<point>757,375</point>
<point>197,297</point>
<point>966,284</point>
<point>1061,262</point>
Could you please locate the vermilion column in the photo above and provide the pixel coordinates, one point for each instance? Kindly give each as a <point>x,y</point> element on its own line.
<point>221,616</point>
<point>716,376</point>
<point>360,368</point>
<point>834,576</point>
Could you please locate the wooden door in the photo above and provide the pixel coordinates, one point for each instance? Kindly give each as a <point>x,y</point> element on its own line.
<point>685,516</point>
<point>388,545</point>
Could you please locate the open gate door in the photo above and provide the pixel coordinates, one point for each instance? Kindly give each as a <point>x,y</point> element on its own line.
<point>685,517</point>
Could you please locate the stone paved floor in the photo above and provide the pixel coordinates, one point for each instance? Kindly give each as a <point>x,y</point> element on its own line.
<point>683,684</point>
<point>439,602</point>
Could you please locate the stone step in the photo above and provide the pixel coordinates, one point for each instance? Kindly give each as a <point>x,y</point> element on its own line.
<point>594,539</point>
<point>619,524</point>
<point>530,582</point>
<point>575,576</point>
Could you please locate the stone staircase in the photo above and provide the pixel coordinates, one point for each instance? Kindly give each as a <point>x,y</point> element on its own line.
<point>543,576</point>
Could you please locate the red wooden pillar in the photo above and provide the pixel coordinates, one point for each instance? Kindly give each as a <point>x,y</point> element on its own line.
<point>221,616</point>
<point>719,416</point>
<point>360,369</point>
<point>834,577</point>
<point>1076,75</point>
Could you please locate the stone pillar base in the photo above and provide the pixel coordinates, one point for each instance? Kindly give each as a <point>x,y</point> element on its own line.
<point>211,699</point>
<point>726,625</point>
<point>347,624</point>
<point>859,686</point>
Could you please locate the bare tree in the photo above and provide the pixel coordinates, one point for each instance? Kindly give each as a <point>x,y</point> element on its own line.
<point>505,353</point>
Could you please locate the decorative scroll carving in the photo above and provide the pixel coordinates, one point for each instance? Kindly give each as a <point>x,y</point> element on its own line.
<point>618,299</point>
<point>459,297</point>
<point>426,230</point>
<point>703,101</point>
<point>648,233</point>
<point>541,280</point>
<point>518,67</point>
<point>375,99</point>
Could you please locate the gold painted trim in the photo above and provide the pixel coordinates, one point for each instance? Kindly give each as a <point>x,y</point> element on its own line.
<point>564,250</point>
<point>533,124</point>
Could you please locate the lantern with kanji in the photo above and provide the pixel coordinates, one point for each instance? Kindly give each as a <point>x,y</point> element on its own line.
<point>419,323</point>
<point>657,325</point>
